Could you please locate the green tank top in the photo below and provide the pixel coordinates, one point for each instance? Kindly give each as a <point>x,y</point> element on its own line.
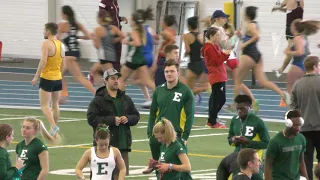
<point>135,54</point>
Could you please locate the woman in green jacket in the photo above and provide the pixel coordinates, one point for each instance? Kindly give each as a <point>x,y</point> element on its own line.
<point>7,171</point>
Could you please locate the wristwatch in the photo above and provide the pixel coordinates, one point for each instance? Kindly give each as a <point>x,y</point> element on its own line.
<point>170,166</point>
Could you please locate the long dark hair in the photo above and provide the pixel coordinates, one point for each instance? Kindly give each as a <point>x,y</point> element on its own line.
<point>68,11</point>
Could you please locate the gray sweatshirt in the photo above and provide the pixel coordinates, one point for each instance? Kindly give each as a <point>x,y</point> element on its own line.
<point>306,97</point>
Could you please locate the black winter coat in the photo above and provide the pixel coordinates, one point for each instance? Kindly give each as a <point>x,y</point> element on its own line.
<point>102,110</point>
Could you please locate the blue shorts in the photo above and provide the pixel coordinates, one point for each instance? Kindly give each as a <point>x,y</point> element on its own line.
<point>298,63</point>
<point>149,59</point>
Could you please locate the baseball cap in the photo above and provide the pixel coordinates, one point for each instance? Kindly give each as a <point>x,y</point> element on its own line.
<point>219,13</point>
<point>111,72</point>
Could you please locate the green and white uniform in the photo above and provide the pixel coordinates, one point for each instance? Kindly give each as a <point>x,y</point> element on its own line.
<point>30,154</point>
<point>102,168</point>
<point>254,129</point>
<point>135,58</point>
<point>286,155</point>
<point>170,155</point>
<point>176,105</point>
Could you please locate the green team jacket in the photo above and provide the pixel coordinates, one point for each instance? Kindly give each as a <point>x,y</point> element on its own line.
<point>254,129</point>
<point>7,171</point>
<point>177,105</point>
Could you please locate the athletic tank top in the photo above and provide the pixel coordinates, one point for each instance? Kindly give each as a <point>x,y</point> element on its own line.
<point>107,50</point>
<point>294,14</point>
<point>135,54</point>
<point>195,48</point>
<point>70,40</point>
<point>101,169</point>
<point>306,51</point>
<point>166,42</point>
<point>52,70</point>
<point>148,48</point>
<point>246,37</point>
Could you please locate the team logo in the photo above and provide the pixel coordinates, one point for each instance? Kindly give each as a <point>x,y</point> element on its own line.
<point>177,96</point>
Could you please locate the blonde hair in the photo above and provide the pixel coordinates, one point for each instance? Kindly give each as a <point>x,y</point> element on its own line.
<point>207,22</point>
<point>165,127</point>
<point>229,29</point>
<point>39,127</point>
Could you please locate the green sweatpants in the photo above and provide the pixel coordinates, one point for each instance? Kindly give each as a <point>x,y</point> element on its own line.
<point>155,152</point>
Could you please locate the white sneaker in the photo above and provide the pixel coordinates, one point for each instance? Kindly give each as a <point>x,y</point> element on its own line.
<point>277,72</point>
<point>147,104</point>
<point>287,98</point>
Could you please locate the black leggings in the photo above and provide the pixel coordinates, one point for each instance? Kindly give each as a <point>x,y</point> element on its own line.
<point>216,101</point>
<point>312,138</point>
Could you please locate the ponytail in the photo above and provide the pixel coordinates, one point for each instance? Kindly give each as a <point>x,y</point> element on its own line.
<point>165,127</point>
<point>102,132</point>
<point>39,127</point>
<point>68,11</point>
<point>139,18</point>
<point>147,14</point>
<point>207,22</point>
<point>307,28</point>
<point>104,16</point>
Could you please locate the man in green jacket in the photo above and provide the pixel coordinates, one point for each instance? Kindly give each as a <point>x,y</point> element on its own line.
<point>247,130</point>
<point>174,101</point>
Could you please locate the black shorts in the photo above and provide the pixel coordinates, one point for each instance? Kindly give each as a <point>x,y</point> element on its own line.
<point>50,85</point>
<point>102,61</point>
<point>134,66</point>
<point>196,67</point>
<point>73,54</point>
<point>252,52</point>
